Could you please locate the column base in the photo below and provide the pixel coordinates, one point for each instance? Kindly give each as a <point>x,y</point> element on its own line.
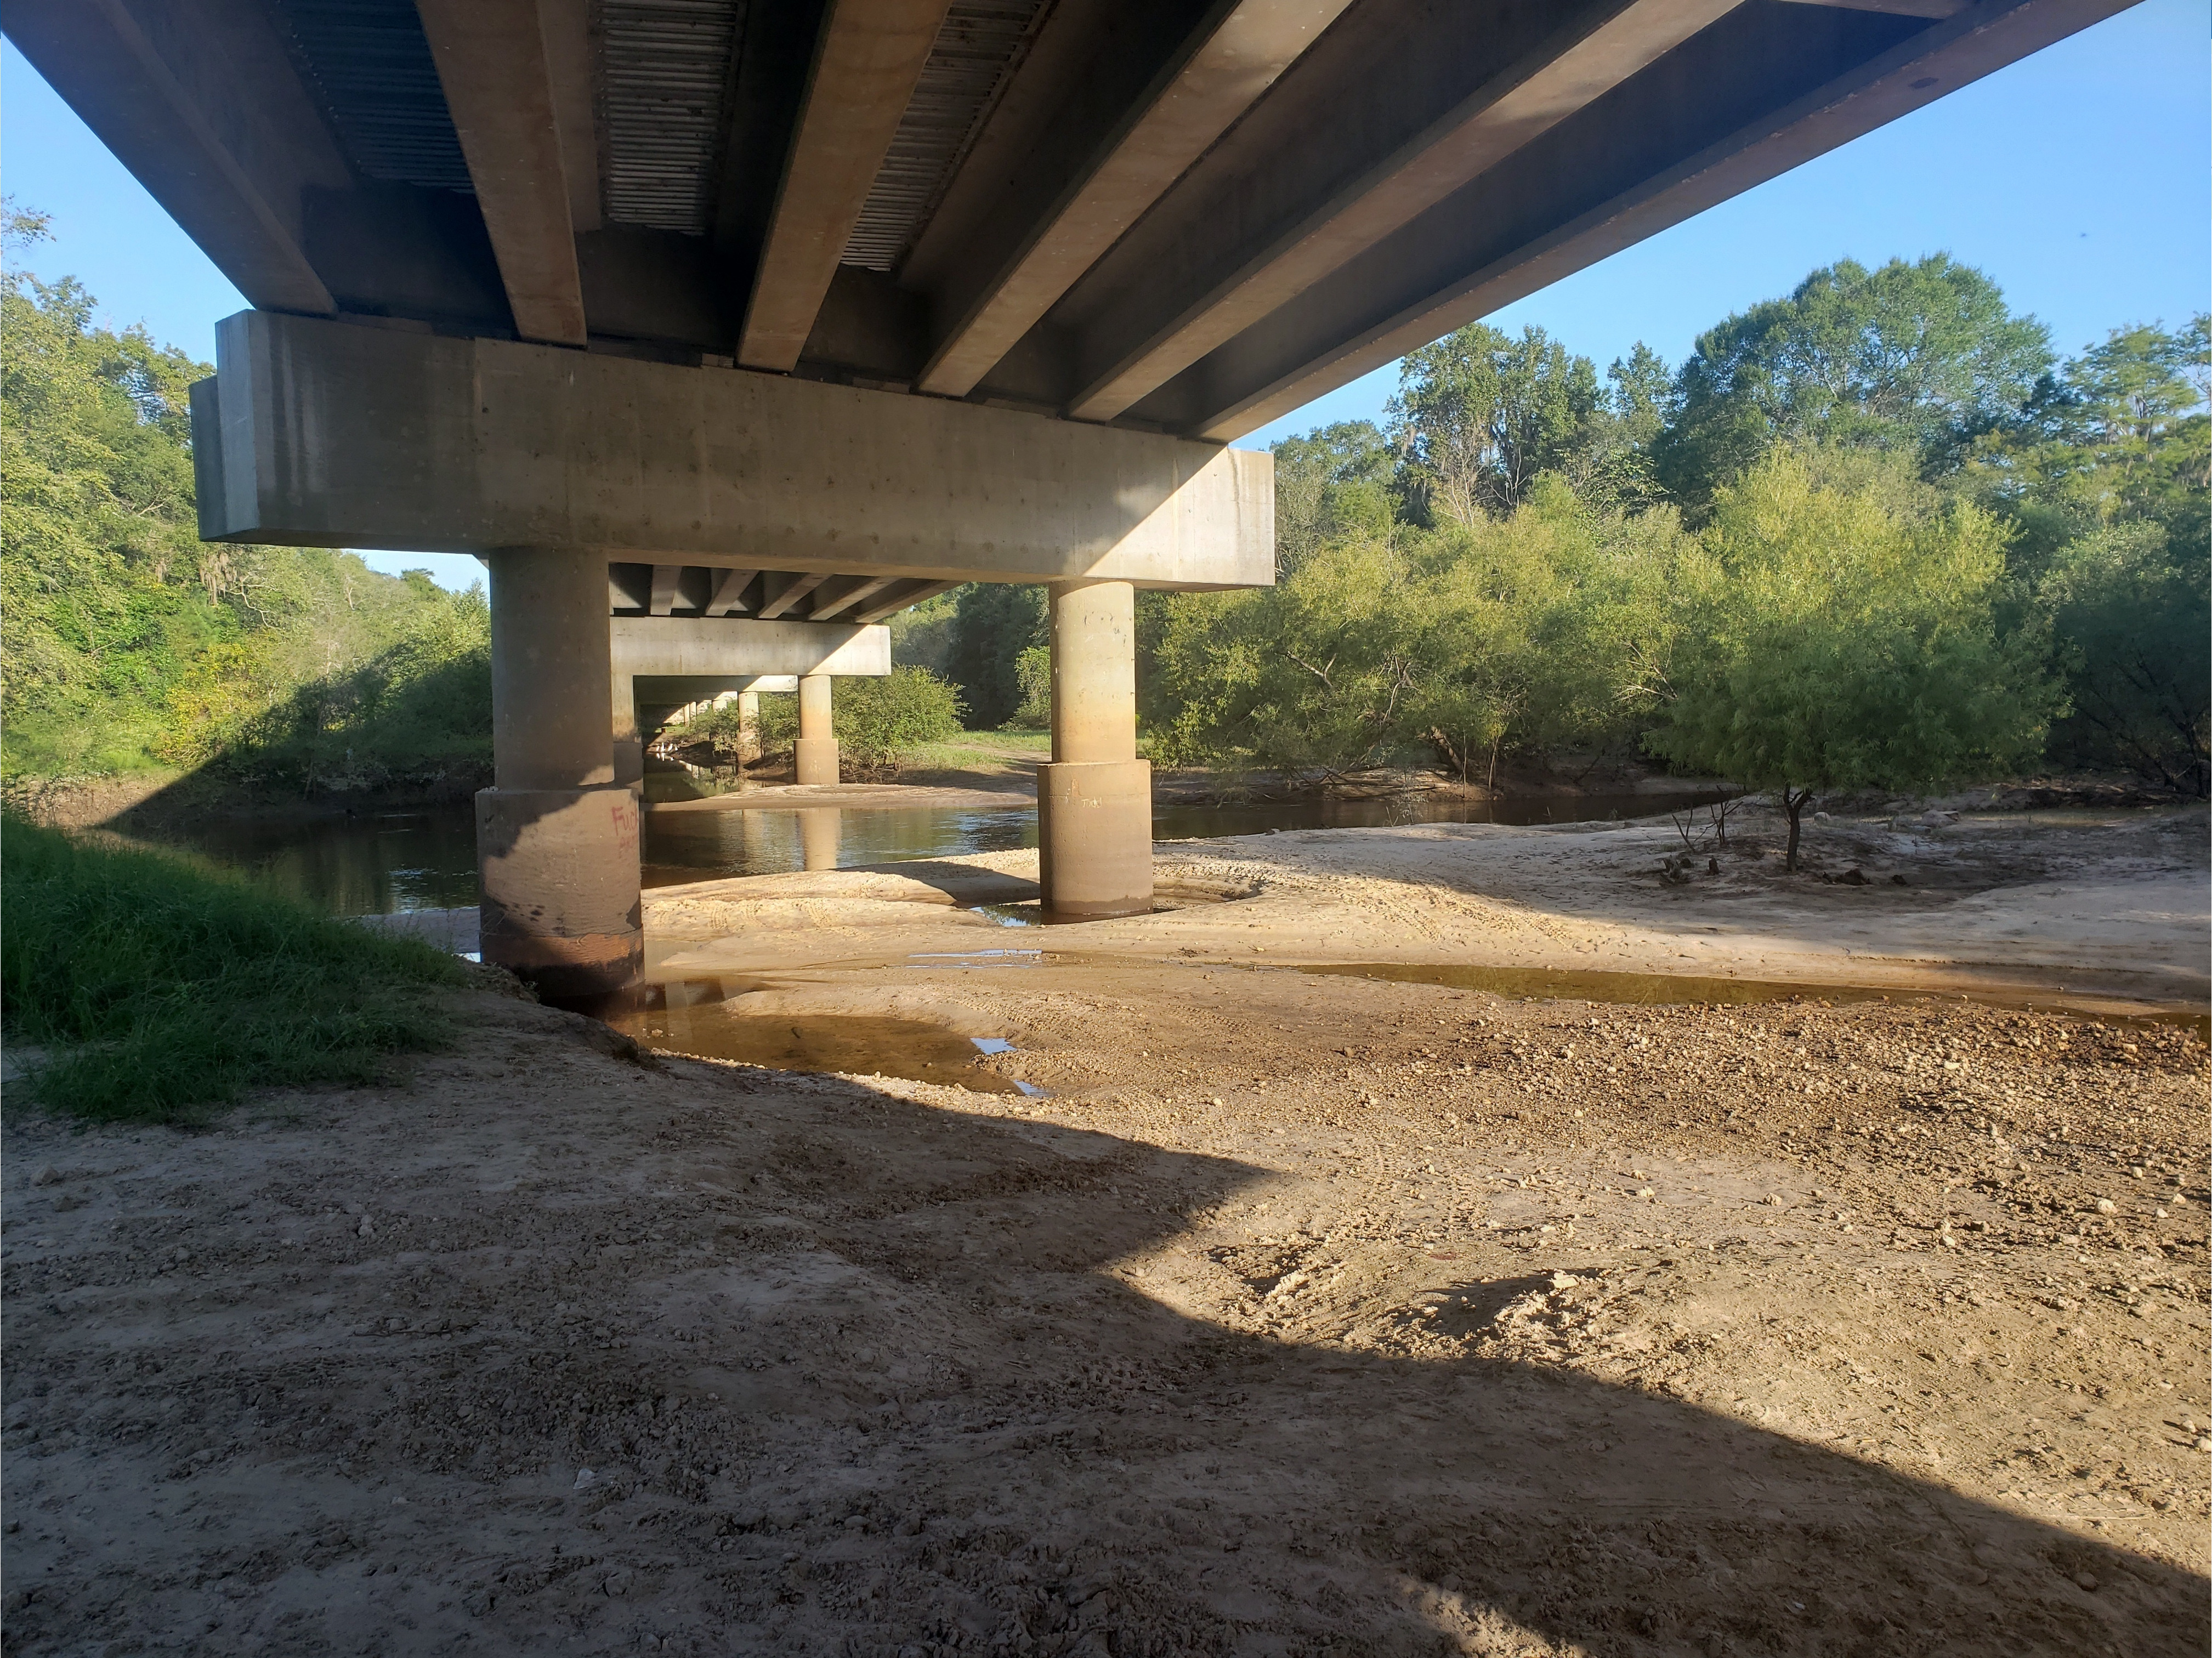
<point>559,874</point>
<point>818,759</point>
<point>1095,837</point>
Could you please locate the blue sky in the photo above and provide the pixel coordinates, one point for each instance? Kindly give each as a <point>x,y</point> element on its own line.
<point>2078,179</point>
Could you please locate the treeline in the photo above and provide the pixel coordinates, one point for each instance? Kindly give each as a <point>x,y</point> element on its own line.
<point>132,644</point>
<point>1874,534</point>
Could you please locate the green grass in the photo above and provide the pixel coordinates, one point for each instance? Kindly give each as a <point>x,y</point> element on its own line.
<point>160,990</point>
<point>1001,751</point>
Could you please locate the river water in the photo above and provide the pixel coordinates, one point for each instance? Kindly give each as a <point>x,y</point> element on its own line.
<point>383,863</point>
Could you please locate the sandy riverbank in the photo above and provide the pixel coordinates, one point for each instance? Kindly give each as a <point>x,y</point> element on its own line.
<point>2099,904</point>
<point>1297,1314</point>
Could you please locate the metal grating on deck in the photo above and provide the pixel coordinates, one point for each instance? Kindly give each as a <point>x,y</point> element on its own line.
<point>977,51</point>
<point>664,86</point>
<point>370,63</point>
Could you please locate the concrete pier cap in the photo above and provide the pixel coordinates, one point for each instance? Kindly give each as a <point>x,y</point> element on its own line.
<point>677,659</point>
<point>322,432</point>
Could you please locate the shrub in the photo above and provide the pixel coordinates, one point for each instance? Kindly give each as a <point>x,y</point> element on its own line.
<point>878,721</point>
<point>1033,673</point>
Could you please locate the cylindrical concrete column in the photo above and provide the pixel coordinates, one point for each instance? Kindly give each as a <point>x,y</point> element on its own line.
<point>557,835</point>
<point>551,672</point>
<point>628,750</point>
<point>818,747</point>
<point>1095,798</point>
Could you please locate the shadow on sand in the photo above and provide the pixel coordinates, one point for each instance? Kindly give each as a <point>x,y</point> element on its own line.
<point>855,1375</point>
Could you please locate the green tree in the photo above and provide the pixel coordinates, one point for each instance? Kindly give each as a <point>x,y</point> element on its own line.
<point>1033,673</point>
<point>130,643</point>
<point>2132,608</point>
<point>1833,639</point>
<point>2123,432</point>
<point>1922,357</point>
<point>1330,480</point>
<point>1613,467</point>
<point>992,623</point>
<point>1481,415</point>
<point>1550,627</point>
<point>922,634</point>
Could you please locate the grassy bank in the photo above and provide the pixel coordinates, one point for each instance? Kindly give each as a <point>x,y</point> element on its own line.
<point>159,990</point>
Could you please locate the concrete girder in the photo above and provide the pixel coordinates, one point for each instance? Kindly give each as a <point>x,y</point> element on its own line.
<point>730,592</point>
<point>842,592</point>
<point>667,588</point>
<point>198,98</point>
<point>492,63</point>
<point>1897,7</point>
<point>1580,194</point>
<point>676,690</point>
<point>898,597</point>
<point>780,592</point>
<point>870,55</point>
<point>987,302</point>
<point>1212,288</point>
<point>566,28</point>
<point>321,433</point>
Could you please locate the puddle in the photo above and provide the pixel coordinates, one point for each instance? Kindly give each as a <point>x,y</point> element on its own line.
<point>1655,989</point>
<point>691,1017</point>
<point>1032,912</point>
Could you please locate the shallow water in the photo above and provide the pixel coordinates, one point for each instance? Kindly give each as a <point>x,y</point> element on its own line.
<point>1659,989</point>
<point>385,863</point>
<point>692,845</point>
<point>694,1016</point>
<point>375,864</point>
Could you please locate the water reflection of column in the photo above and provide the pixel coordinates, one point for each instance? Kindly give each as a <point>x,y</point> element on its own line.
<point>818,829</point>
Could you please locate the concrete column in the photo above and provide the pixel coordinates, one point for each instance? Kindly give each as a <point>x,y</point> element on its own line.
<point>557,835</point>
<point>818,747</point>
<point>629,738</point>
<point>1095,798</point>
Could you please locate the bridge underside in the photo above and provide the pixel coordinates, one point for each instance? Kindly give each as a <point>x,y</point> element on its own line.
<point>793,311</point>
<point>1148,213</point>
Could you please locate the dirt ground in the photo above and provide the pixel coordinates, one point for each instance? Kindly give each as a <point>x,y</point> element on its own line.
<point>1298,1313</point>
